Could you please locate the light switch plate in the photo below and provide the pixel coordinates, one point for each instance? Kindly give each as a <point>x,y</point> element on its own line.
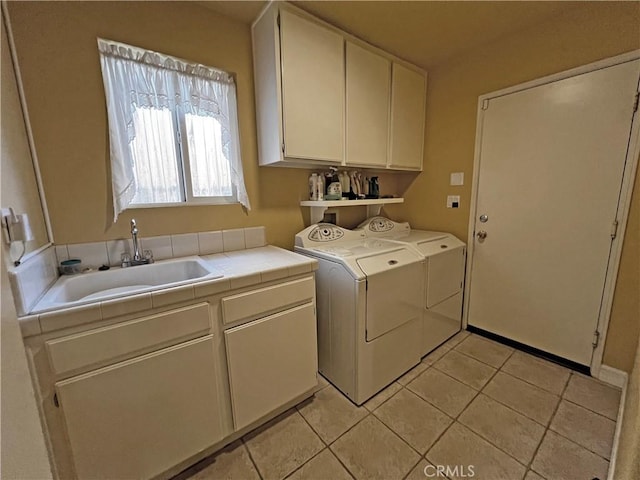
<point>453,201</point>
<point>457,179</point>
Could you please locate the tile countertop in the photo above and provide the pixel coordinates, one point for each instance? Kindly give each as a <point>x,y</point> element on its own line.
<point>241,268</point>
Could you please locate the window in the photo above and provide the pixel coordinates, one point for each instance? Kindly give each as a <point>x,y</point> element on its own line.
<point>173,130</point>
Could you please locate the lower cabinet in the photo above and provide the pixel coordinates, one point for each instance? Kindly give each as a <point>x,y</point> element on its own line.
<point>140,417</point>
<point>138,398</point>
<point>271,361</point>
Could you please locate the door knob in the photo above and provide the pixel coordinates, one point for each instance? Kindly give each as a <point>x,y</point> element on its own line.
<point>481,235</point>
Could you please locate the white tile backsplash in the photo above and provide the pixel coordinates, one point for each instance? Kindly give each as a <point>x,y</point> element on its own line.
<point>160,246</point>
<point>32,278</point>
<point>185,244</point>
<point>62,253</point>
<point>255,237</point>
<point>92,254</point>
<point>210,242</point>
<point>233,239</point>
<point>115,249</point>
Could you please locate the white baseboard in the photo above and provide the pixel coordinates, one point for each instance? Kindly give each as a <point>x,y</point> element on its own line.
<point>617,378</point>
<point>612,376</point>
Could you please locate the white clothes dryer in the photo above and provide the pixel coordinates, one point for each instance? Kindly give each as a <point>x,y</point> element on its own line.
<point>369,297</point>
<point>444,256</point>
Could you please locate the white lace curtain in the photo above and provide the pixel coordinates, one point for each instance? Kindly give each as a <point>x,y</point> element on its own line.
<point>135,78</point>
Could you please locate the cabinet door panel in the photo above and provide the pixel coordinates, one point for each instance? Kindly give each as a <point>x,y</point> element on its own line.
<point>141,417</point>
<point>408,98</point>
<point>368,96</point>
<point>312,89</point>
<point>271,361</point>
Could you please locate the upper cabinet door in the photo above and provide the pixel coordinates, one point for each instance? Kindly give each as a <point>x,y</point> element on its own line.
<point>408,99</point>
<point>368,96</point>
<point>312,89</point>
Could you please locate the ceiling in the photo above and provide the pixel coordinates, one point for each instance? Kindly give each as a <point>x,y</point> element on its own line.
<point>422,32</point>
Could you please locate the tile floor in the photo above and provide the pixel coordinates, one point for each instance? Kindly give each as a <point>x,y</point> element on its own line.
<point>470,402</point>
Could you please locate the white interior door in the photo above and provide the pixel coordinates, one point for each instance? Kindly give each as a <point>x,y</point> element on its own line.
<point>551,159</point>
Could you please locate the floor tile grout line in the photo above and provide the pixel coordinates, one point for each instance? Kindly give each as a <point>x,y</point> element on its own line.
<point>421,455</point>
<point>404,477</point>
<point>546,432</point>
<point>480,360</point>
<point>497,400</point>
<point>456,420</point>
<point>482,391</point>
<point>387,399</point>
<point>328,445</point>
<point>436,406</point>
<point>255,465</point>
<point>530,383</point>
<point>361,420</point>
<point>588,409</point>
<point>564,436</point>
<point>326,448</point>
<point>578,444</point>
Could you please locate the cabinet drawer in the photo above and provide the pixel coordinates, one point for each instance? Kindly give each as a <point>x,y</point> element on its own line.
<point>140,417</point>
<point>261,302</point>
<point>271,361</point>
<point>128,339</point>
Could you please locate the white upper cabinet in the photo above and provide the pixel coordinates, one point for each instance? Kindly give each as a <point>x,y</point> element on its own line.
<point>368,96</point>
<point>312,89</point>
<point>408,98</point>
<point>312,111</point>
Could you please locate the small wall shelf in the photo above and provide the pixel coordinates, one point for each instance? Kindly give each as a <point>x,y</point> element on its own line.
<point>318,207</point>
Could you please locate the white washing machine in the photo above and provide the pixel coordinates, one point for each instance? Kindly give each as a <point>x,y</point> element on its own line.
<point>444,275</point>
<point>370,301</point>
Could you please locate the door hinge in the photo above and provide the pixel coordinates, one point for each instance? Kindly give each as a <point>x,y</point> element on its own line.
<point>282,147</point>
<point>55,400</point>
<point>614,229</point>
<point>596,339</point>
<point>485,104</point>
<point>278,20</point>
<point>635,102</point>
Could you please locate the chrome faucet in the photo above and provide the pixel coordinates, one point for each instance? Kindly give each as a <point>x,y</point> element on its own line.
<point>134,235</point>
<point>138,259</point>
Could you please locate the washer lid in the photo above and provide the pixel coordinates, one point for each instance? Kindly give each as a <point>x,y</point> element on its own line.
<point>439,245</point>
<point>386,261</point>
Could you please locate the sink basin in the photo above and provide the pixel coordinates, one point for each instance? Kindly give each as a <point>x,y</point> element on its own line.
<point>116,282</point>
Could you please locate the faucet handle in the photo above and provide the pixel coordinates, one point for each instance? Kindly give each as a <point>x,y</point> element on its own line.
<point>125,259</point>
<point>148,256</point>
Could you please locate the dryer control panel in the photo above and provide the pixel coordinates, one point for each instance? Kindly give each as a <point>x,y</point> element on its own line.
<point>326,233</point>
<point>383,227</point>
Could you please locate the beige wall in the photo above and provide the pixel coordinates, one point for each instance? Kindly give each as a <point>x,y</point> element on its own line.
<point>623,336</point>
<point>58,56</point>
<point>627,465</point>
<point>66,102</point>
<point>19,187</point>
<point>578,37</point>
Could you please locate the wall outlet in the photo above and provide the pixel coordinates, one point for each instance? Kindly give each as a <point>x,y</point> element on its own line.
<point>453,201</point>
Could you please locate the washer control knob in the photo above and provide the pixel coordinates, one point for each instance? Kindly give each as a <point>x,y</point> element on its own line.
<point>481,235</point>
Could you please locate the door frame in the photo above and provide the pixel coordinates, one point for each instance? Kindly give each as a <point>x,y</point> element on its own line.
<point>631,165</point>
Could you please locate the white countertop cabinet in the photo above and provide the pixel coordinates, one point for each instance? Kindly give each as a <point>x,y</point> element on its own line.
<point>325,97</point>
<point>149,392</point>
